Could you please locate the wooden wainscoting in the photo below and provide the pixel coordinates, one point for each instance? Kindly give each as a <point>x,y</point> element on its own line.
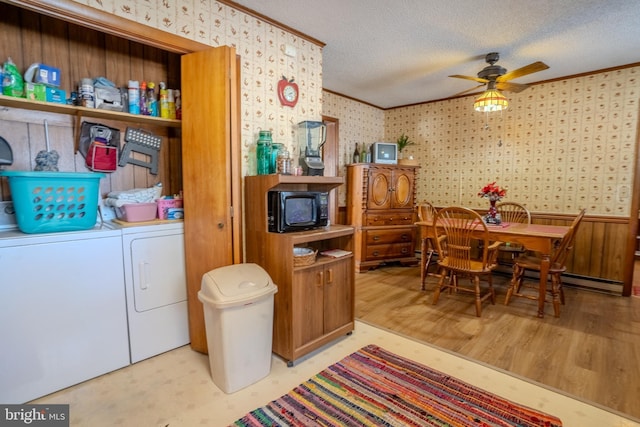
<point>600,245</point>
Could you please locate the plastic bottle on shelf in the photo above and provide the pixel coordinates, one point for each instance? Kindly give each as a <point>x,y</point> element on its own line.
<point>134,97</point>
<point>12,80</point>
<point>86,90</point>
<point>152,100</point>
<point>164,101</point>
<point>171,102</point>
<point>143,99</point>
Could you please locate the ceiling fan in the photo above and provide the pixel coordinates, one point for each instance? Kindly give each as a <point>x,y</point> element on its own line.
<point>497,77</point>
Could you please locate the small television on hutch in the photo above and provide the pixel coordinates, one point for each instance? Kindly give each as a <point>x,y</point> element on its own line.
<point>384,152</point>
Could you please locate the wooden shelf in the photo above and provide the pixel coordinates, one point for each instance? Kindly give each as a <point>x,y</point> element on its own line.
<point>330,232</point>
<point>53,107</point>
<point>321,260</point>
<point>293,182</point>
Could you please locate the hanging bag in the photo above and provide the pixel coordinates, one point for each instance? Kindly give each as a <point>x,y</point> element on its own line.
<point>101,156</point>
<point>99,145</point>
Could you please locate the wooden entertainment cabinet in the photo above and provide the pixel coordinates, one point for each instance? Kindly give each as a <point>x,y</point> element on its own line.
<point>314,303</point>
<point>381,207</point>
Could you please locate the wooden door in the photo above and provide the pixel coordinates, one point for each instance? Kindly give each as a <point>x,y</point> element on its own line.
<point>338,296</point>
<point>211,172</point>
<point>402,194</point>
<point>380,188</point>
<point>307,318</point>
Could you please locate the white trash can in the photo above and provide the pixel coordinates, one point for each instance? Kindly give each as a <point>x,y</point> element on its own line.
<point>238,314</point>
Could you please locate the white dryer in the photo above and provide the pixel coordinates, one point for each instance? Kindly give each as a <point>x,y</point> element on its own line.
<point>156,288</point>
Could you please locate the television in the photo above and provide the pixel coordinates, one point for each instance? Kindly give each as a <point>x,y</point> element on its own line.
<point>384,152</point>
<point>297,210</point>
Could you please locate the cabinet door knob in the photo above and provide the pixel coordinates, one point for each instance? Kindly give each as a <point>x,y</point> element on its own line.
<point>376,253</point>
<point>376,238</point>
<point>221,225</point>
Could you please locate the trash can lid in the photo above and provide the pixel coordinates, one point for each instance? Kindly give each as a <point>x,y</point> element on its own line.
<point>237,283</point>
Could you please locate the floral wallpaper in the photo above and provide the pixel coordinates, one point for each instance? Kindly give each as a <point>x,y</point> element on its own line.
<point>358,124</point>
<point>559,147</point>
<point>263,62</point>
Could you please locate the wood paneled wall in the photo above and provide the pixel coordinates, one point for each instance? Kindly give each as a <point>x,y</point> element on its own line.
<point>600,246</point>
<point>28,37</point>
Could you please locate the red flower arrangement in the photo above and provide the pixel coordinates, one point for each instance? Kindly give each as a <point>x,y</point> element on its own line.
<point>492,191</point>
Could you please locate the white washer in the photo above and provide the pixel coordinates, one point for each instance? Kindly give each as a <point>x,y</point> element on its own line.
<point>155,281</point>
<point>62,310</point>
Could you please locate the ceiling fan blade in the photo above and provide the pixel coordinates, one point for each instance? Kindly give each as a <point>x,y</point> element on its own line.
<point>476,79</point>
<point>469,90</point>
<point>511,87</point>
<point>523,71</point>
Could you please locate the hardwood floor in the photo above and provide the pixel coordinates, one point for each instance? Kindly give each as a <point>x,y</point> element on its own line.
<point>592,351</point>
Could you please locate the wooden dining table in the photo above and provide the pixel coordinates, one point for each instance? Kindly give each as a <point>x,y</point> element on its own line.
<point>534,237</point>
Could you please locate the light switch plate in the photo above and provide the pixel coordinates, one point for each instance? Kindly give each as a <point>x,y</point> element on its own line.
<point>289,50</point>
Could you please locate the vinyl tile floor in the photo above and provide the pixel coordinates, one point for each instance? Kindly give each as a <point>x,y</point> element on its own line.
<point>175,389</point>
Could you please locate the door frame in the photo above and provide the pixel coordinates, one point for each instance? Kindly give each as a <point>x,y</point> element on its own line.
<point>634,213</point>
<point>331,160</point>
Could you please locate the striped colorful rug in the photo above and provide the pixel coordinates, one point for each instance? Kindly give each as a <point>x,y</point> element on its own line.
<point>374,387</point>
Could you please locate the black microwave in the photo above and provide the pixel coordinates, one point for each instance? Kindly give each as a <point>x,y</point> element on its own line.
<point>297,210</point>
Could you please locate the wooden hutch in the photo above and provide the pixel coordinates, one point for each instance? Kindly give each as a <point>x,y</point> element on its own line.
<point>314,303</point>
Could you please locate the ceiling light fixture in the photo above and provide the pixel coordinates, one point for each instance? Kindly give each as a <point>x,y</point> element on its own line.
<point>491,100</point>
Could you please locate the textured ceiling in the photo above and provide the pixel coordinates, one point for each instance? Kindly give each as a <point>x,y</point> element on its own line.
<point>398,52</point>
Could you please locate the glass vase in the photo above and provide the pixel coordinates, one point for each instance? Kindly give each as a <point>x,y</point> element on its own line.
<point>492,216</point>
<point>263,153</point>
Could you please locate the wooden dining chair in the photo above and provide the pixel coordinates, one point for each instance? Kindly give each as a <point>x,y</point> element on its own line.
<point>511,212</point>
<point>463,229</point>
<point>427,213</point>
<point>525,263</point>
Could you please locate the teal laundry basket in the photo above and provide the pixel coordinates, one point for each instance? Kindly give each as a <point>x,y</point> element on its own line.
<point>46,202</point>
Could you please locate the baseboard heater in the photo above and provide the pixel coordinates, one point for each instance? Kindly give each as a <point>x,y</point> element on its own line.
<point>572,280</point>
<point>575,281</point>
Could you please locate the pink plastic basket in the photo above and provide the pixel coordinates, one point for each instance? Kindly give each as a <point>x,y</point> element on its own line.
<point>137,212</point>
